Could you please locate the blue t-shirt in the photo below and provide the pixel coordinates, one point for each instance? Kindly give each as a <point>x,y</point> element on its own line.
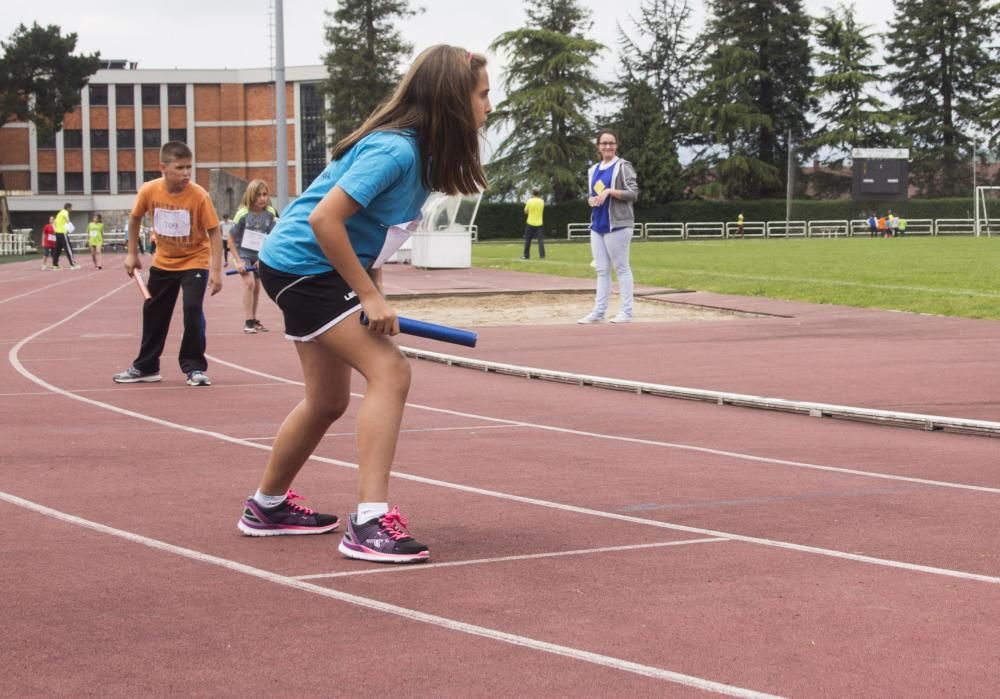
<point>381,172</point>
<point>600,216</point>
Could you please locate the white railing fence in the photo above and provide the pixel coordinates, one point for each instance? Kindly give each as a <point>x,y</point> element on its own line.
<point>833,228</point>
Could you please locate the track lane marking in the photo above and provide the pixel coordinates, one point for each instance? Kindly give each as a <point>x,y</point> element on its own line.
<point>506,559</point>
<point>649,442</point>
<point>396,610</point>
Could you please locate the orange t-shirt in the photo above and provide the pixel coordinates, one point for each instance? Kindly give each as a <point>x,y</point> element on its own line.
<point>181,222</point>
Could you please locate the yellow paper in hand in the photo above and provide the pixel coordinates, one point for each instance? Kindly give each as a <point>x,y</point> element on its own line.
<point>599,187</point>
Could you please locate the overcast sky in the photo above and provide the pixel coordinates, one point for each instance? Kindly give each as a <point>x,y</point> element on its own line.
<point>216,34</point>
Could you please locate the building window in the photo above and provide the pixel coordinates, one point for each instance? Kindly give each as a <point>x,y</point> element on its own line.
<point>150,175</point>
<point>151,138</point>
<point>49,142</point>
<point>74,181</point>
<point>150,95</point>
<point>126,138</point>
<point>124,95</point>
<point>313,146</point>
<point>126,182</point>
<point>72,138</point>
<point>47,182</point>
<point>176,95</point>
<point>100,182</point>
<point>98,138</point>
<point>98,95</point>
<point>177,135</point>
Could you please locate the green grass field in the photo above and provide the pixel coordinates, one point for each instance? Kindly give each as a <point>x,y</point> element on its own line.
<point>957,276</point>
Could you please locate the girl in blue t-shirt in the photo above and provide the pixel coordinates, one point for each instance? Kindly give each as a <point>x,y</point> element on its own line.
<point>318,265</point>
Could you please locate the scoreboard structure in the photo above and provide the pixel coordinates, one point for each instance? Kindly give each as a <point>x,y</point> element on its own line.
<point>880,173</point>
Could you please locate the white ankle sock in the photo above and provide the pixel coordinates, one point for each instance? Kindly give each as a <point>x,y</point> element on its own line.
<point>267,500</point>
<point>368,511</point>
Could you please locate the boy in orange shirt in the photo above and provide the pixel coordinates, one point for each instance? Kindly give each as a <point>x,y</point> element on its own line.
<point>188,258</point>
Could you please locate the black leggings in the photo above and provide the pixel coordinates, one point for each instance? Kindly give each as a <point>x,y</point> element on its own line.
<point>157,310</point>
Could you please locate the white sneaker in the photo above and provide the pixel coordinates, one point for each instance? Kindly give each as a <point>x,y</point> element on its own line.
<point>621,318</point>
<point>591,318</point>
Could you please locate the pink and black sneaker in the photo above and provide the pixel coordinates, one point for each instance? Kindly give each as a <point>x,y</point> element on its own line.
<point>284,518</point>
<point>384,539</point>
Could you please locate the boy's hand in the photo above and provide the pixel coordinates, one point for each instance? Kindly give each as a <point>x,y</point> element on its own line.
<point>382,318</point>
<point>132,263</point>
<point>214,282</point>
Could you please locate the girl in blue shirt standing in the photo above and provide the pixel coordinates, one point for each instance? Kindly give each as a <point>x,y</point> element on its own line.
<point>317,265</point>
<point>612,193</point>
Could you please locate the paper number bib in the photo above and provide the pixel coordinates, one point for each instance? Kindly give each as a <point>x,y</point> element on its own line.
<point>172,223</point>
<point>252,240</point>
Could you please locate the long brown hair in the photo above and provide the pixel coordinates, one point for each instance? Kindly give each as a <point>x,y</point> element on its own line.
<point>434,99</point>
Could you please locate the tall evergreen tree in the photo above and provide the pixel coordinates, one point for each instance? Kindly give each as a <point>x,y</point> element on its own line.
<point>767,41</point>
<point>851,114</point>
<point>550,95</point>
<point>944,53</point>
<point>658,52</point>
<point>645,139</point>
<point>40,78</point>
<point>366,49</point>
<point>656,77</point>
<point>725,116</point>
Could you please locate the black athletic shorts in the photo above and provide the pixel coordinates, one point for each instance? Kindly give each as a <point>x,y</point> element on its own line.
<point>311,304</point>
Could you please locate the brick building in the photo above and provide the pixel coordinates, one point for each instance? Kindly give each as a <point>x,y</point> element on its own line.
<point>110,144</point>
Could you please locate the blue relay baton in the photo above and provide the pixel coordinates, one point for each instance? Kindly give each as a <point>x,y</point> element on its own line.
<point>248,268</point>
<point>433,331</point>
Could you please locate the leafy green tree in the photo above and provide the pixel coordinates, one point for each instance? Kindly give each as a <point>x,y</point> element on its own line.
<point>366,49</point>
<point>41,78</point>
<point>851,115</point>
<point>550,92</point>
<point>767,43</point>
<point>945,55</point>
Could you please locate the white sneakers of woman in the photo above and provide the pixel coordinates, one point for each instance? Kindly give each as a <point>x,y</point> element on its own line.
<point>591,318</point>
<point>621,318</point>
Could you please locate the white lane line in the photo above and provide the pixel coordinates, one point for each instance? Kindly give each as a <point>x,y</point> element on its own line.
<point>656,443</point>
<point>505,559</point>
<point>413,430</point>
<point>385,608</point>
<point>832,553</point>
<point>39,290</point>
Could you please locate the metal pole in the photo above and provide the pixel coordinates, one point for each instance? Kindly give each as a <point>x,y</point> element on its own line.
<point>975,197</point>
<point>280,127</point>
<point>788,186</point>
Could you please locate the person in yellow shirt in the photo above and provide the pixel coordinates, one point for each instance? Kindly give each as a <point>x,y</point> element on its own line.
<point>533,228</point>
<point>95,239</point>
<point>63,227</point>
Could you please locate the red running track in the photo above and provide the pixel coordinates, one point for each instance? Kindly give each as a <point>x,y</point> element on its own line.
<point>584,542</point>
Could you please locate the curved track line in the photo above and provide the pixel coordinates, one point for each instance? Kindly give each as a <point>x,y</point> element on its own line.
<point>386,608</point>
<point>801,548</point>
<point>647,442</point>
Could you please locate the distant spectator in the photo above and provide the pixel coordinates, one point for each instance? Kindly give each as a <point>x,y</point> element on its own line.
<point>872,225</point>
<point>902,225</point>
<point>63,227</point>
<point>881,226</point>
<point>534,208</point>
<point>612,191</point>
<point>95,239</point>
<point>739,225</point>
<point>48,243</point>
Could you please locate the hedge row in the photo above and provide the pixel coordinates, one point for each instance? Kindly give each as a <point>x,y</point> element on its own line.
<point>503,220</point>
